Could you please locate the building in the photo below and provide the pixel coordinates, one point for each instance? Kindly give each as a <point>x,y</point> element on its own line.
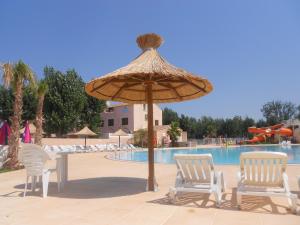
<point>294,124</point>
<point>128,117</point>
<point>163,139</point>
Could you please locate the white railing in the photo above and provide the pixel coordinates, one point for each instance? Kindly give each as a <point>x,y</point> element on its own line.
<point>215,141</point>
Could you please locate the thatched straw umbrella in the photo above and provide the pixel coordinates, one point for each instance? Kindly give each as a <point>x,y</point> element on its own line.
<point>85,132</point>
<point>149,79</point>
<point>120,133</point>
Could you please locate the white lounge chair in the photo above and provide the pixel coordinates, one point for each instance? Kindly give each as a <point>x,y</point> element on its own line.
<point>100,147</point>
<point>93,148</point>
<point>196,173</point>
<point>34,158</point>
<point>132,146</point>
<point>263,174</point>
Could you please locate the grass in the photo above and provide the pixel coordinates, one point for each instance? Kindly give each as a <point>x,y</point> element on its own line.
<point>4,170</point>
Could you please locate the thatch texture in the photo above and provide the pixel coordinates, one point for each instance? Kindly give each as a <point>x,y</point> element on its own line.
<point>85,132</point>
<point>120,132</point>
<point>169,83</point>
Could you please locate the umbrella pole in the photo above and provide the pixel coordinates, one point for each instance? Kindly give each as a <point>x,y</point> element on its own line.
<point>119,141</point>
<point>85,141</point>
<point>151,179</point>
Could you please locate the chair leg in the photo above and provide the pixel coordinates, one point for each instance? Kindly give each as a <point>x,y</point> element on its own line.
<point>292,200</point>
<point>45,178</point>
<point>58,174</point>
<point>33,183</point>
<point>40,181</point>
<point>239,200</point>
<point>172,195</point>
<point>223,183</point>
<point>26,184</point>
<point>218,199</point>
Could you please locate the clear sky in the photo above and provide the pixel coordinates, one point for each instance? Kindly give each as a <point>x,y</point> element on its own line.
<point>249,50</point>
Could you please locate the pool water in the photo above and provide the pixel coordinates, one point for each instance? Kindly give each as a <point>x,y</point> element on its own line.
<point>221,156</point>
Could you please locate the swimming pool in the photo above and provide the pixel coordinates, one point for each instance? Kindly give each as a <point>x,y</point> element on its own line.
<point>221,156</point>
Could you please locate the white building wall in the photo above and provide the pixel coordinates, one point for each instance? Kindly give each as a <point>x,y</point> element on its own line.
<point>136,114</point>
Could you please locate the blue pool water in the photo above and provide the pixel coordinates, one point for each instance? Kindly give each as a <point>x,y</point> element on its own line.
<point>221,156</point>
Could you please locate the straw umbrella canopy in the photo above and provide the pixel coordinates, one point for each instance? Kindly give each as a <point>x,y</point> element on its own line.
<point>120,133</point>
<point>149,78</point>
<point>85,132</point>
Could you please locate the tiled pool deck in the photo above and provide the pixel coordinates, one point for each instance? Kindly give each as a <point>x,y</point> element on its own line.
<point>103,191</point>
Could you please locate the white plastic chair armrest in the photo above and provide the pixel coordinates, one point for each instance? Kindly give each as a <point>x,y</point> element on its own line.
<point>285,180</point>
<point>220,180</point>
<point>240,178</point>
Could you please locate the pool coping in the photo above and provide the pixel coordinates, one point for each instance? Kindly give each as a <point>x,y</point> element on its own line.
<point>178,148</point>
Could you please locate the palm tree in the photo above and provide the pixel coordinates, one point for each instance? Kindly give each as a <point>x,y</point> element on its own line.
<point>41,91</point>
<point>174,132</point>
<point>16,75</point>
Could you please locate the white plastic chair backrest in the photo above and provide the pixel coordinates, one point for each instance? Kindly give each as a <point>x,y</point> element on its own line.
<point>263,168</point>
<point>3,150</point>
<point>195,168</point>
<point>33,158</point>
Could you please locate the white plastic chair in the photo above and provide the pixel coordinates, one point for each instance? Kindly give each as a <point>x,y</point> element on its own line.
<point>3,154</point>
<point>263,174</point>
<point>196,173</point>
<point>34,158</point>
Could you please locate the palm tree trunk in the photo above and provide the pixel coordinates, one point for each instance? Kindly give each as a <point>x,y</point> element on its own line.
<point>12,161</point>
<point>39,121</point>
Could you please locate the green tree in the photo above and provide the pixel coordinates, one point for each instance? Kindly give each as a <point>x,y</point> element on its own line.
<point>64,101</point>
<point>168,116</point>
<point>30,102</point>
<point>16,75</point>
<point>298,113</point>
<point>209,126</point>
<point>90,115</point>
<point>247,122</point>
<point>174,132</point>
<point>6,103</point>
<point>277,111</point>
<point>140,138</point>
<point>7,99</point>
<point>261,123</point>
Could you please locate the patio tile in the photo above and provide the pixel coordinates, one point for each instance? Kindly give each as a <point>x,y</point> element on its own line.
<point>105,192</point>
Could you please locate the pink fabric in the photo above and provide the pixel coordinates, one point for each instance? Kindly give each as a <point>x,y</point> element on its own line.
<point>26,135</point>
<point>4,134</point>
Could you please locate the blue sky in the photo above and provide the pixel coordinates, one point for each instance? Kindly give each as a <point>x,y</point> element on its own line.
<point>249,50</point>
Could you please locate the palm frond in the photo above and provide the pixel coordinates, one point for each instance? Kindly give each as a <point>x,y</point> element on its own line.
<point>42,88</point>
<point>23,73</point>
<point>7,74</point>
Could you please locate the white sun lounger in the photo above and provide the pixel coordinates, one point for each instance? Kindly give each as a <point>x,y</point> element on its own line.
<point>196,173</point>
<point>132,146</point>
<point>263,174</point>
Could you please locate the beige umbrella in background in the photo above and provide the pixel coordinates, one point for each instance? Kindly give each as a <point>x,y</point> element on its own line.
<point>149,79</point>
<point>120,133</point>
<point>85,132</point>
